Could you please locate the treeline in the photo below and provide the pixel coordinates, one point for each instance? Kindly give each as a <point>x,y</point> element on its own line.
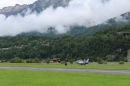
<point>110,42</point>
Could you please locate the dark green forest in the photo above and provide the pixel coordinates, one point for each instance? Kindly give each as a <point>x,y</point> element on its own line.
<point>103,44</point>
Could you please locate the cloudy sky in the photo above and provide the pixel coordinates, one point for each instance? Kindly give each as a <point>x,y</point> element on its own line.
<point>4,3</point>
<point>79,12</point>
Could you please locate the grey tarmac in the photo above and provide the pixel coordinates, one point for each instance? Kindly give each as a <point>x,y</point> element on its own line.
<point>70,70</point>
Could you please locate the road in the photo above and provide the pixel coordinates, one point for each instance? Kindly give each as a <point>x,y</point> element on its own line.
<point>70,70</point>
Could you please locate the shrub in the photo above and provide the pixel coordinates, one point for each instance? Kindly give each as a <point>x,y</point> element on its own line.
<point>36,60</point>
<point>29,60</point>
<point>99,61</point>
<point>104,62</point>
<point>121,62</point>
<point>71,61</point>
<point>16,60</point>
<point>48,61</point>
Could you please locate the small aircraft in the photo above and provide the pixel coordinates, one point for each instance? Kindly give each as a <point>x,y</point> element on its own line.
<point>82,62</point>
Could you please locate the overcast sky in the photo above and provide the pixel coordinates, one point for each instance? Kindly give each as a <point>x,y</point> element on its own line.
<point>79,12</point>
<point>5,3</point>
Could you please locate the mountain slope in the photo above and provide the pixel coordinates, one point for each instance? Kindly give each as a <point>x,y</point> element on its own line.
<point>37,6</point>
<point>41,5</point>
<point>113,22</point>
<point>83,31</point>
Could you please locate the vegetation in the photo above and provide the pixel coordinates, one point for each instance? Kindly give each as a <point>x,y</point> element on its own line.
<point>39,78</point>
<point>121,62</point>
<point>36,60</point>
<point>94,65</point>
<point>16,60</point>
<point>109,23</point>
<point>48,61</point>
<point>71,61</point>
<point>99,61</point>
<point>29,60</point>
<point>110,42</point>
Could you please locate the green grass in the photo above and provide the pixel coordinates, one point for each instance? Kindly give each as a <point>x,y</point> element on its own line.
<point>46,78</point>
<point>40,78</point>
<point>109,66</point>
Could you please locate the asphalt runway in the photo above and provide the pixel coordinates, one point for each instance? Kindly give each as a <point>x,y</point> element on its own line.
<point>69,70</point>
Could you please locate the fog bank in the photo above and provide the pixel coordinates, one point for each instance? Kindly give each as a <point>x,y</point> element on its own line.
<point>79,12</point>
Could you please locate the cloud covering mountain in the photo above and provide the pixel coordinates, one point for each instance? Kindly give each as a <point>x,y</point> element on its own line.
<point>78,12</point>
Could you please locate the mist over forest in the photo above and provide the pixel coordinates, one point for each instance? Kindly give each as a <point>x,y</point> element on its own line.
<point>77,13</point>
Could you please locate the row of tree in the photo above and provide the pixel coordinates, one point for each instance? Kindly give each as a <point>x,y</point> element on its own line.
<point>111,41</point>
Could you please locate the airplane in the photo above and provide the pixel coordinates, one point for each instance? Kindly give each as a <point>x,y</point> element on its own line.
<point>82,62</point>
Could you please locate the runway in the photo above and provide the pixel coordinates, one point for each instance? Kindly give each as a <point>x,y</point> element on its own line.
<point>69,70</point>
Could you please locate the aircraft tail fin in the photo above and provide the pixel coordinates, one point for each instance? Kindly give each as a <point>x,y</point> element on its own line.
<point>87,61</point>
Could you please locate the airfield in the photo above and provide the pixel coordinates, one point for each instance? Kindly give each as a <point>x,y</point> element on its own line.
<point>109,68</point>
<point>70,70</point>
<point>56,74</point>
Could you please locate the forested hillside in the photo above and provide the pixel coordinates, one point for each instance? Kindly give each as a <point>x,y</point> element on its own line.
<point>113,22</point>
<point>111,41</point>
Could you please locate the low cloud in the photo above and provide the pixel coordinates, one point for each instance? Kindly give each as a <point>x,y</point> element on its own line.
<point>79,12</point>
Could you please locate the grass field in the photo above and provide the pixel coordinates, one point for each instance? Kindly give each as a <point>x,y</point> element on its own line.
<point>46,78</point>
<point>40,78</point>
<point>109,66</point>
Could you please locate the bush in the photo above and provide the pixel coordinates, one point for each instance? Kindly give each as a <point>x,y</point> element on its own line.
<point>48,61</point>
<point>36,60</point>
<point>104,62</point>
<point>99,61</point>
<point>121,62</point>
<point>29,60</point>
<point>71,61</point>
<point>16,60</point>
